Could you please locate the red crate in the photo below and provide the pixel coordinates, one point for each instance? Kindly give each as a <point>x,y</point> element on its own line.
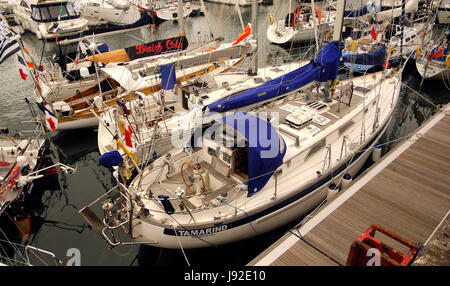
<point>388,256</point>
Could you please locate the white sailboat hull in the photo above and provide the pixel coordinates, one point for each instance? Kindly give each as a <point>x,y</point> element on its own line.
<point>148,232</point>
<point>170,14</point>
<point>443,14</point>
<point>297,195</point>
<point>287,35</point>
<point>387,15</point>
<point>432,71</point>
<point>90,122</point>
<point>109,13</point>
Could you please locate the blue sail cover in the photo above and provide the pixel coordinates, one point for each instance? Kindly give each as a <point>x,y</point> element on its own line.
<point>324,68</point>
<point>168,76</point>
<point>266,148</point>
<point>376,57</point>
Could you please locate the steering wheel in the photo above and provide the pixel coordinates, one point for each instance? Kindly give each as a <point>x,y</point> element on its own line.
<point>195,167</point>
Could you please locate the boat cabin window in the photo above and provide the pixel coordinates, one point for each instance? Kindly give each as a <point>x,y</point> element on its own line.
<point>54,12</point>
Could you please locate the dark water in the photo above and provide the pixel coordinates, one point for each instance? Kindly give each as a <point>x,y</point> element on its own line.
<point>56,223</point>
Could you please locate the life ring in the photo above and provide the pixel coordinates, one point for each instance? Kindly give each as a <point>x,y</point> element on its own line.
<point>447,61</point>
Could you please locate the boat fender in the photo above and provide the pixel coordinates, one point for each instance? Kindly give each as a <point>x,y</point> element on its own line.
<point>98,101</point>
<point>122,124</point>
<point>346,181</point>
<point>332,190</point>
<point>376,153</point>
<point>84,72</point>
<point>447,61</point>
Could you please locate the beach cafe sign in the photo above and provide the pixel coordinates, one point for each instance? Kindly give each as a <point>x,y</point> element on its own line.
<point>157,47</point>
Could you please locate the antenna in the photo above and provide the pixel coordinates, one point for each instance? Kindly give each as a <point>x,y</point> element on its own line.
<point>180,16</point>
<point>254,68</point>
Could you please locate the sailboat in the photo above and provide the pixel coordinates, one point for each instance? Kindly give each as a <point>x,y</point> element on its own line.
<point>307,19</point>
<point>205,194</point>
<point>433,62</point>
<point>377,49</point>
<point>75,73</point>
<point>299,25</point>
<point>411,6</point>
<point>125,80</point>
<point>17,161</point>
<point>256,161</point>
<point>119,79</point>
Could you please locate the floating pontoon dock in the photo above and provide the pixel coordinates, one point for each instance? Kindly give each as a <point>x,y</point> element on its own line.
<point>407,192</point>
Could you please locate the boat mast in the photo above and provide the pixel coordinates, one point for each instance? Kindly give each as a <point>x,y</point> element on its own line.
<point>403,22</point>
<point>180,17</point>
<point>207,19</point>
<point>254,68</point>
<point>315,24</point>
<point>339,23</point>
<point>238,10</point>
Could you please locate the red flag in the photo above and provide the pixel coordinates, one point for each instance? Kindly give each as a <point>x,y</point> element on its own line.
<point>52,124</point>
<point>386,65</point>
<point>373,34</point>
<point>128,141</point>
<point>23,74</point>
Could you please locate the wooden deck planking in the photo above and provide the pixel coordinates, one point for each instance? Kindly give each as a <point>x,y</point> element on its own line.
<point>410,196</point>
